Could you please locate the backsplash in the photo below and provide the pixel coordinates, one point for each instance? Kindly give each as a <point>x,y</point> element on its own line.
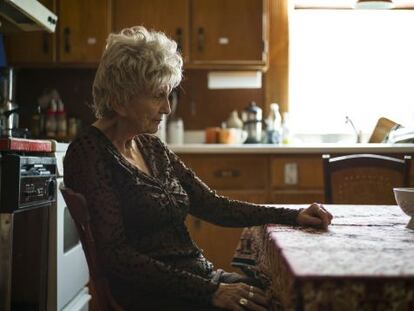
<point>198,106</point>
<point>73,85</point>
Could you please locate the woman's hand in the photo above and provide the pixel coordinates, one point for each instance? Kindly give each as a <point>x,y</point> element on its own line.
<point>315,215</point>
<point>240,297</point>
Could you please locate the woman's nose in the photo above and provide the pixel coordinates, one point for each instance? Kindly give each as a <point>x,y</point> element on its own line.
<point>166,108</point>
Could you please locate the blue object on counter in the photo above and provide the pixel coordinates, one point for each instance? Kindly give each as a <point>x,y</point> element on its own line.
<point>3,60</point>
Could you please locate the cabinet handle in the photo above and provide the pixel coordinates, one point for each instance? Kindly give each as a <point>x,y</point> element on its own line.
<point>45,44</point>
<point>179,39</point>
<point>201,38</point>
<point>227,173</point>
<point>66,33</point>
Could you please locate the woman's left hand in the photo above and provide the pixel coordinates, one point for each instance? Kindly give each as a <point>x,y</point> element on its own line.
<point>315,215</point>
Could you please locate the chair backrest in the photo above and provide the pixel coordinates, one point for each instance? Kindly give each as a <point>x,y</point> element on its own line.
<point>364,178</point>
<point>78,209</point>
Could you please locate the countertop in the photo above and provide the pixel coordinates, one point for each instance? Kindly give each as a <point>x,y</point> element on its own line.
<point>292,149</point>
<point>275,149</point>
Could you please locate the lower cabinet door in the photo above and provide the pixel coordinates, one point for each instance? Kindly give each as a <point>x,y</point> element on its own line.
<point>219,243</point>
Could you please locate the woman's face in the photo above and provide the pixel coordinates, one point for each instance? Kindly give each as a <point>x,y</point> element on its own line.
<point>144,113</point>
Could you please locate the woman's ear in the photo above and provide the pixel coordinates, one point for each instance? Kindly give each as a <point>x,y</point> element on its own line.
<point>119,109</point>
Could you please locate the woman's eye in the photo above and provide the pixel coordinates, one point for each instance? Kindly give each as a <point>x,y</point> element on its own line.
<point>160,96</point>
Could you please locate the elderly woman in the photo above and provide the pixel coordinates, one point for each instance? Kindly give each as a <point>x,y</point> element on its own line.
<point>139,192</point>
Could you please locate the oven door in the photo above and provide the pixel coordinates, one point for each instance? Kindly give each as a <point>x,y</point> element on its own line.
<point>23,258</point>
<point>70,270</point>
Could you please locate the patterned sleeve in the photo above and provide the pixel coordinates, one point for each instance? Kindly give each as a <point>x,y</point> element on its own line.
<point>88,172</point>
<point>208,205</point>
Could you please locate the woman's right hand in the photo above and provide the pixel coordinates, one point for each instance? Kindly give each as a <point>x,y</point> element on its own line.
<point>240,297</point>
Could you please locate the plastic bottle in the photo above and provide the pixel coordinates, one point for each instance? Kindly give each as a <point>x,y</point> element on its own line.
<point>285,129</point>
<point>61,123</point>
<point>50,122</point>
<point>274,124</point>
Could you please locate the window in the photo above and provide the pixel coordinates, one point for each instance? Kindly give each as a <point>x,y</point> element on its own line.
<point>356,63</point>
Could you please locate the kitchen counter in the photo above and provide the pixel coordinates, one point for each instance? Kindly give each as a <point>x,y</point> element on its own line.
<point>291,149</point>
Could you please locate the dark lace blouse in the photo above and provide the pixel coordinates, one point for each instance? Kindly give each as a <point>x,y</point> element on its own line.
<point>138,219</point>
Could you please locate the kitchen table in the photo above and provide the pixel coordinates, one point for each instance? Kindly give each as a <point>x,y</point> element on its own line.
<point>364,261</point>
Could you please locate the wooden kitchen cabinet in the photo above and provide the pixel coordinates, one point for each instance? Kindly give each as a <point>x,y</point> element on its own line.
<point>210,33</point>
<point>172,18</point>
<point>32,47</point>
<point>230,172</point>
<point>229,31</point>
<point>219,243</point>
<point>82,30</point>
<point>296,179</point>
<point>80,37</point>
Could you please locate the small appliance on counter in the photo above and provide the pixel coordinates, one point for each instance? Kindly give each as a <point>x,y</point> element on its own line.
<point>252,122</point>
<point>9,116</point>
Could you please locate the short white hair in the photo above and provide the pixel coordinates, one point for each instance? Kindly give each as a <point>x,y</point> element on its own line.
<point>135,61</point>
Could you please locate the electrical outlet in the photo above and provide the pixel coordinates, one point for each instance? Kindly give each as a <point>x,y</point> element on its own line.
<point>291,173</point>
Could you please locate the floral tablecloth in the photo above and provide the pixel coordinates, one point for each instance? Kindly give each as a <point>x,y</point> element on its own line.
<point>364,261</point>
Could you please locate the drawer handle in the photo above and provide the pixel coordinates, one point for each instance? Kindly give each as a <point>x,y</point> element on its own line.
<point>227,173</point>
<point>45,45</point>
<point>200,41</point>
<point>66,39</point>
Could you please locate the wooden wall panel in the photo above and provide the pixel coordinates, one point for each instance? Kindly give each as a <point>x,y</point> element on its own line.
<point>73,84</point>
<point>200,107</point>
<point>276,80</point>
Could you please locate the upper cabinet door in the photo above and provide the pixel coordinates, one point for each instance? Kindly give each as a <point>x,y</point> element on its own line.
<point>170,17</point>
<point>31,47</point>
<point>83,29</point>
<point>229,31</point>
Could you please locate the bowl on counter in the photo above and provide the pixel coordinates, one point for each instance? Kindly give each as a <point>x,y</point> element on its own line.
<point>405,200</point>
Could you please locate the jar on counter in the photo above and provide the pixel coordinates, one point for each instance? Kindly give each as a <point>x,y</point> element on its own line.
<point>176,131</point>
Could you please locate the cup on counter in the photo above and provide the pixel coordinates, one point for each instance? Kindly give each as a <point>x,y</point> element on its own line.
<point>232,136</point>
<point>211,135</point>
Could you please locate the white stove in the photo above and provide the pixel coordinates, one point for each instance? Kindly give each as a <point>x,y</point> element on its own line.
<point>68,270</point>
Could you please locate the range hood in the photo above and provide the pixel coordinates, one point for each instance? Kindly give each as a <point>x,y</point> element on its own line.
<point>25,15</point>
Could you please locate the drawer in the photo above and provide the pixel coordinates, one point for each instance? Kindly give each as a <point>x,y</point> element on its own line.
<point>227,172</point>
<point>297,172</point>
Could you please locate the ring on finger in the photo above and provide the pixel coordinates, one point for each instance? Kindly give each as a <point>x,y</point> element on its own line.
<point>243,301</point>
<point>251,288</point>
<point>251,295</point>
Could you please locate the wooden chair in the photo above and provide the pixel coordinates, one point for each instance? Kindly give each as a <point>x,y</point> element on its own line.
<point>77,206</point>
<point>364,178</point>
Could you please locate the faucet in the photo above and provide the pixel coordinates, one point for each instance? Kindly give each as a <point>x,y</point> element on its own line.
<point>357,133</point>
